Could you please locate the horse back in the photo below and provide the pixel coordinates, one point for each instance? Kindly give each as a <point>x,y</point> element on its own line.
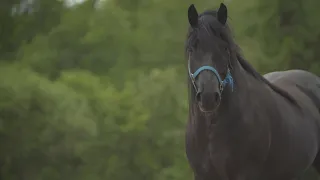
<point>298,83</point>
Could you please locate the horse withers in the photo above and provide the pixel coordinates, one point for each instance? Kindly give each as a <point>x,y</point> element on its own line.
<point>242,125</point>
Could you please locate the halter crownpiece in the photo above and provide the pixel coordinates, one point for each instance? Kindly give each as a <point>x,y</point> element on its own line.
<point>222,83</point>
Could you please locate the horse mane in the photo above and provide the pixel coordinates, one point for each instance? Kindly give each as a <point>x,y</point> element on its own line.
<point>248,68</point>
<point>226,34</point>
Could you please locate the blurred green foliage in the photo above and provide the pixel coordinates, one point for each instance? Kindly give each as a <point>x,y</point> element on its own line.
<point>97,90</point>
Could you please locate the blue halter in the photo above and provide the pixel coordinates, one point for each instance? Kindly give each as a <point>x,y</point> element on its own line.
<point>222,83</point>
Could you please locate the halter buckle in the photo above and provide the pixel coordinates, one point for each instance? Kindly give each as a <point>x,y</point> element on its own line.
<point>192,77</point>
<point>221,87</point>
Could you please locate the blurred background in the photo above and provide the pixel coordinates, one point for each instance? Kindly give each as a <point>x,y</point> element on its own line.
<point>96,90</point>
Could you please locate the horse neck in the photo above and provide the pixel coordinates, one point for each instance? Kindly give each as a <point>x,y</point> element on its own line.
<point>235,103</point>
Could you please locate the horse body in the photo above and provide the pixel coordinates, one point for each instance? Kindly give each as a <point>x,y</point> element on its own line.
<point>267,138</point>
<point>296,131</point>
<point>265,128</point>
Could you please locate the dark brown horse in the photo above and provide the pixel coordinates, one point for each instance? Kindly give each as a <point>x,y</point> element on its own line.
<point>242,125</point>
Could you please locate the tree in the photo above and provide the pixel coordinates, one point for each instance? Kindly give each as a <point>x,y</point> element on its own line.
<point>288,32</point>
<point>22,20</point>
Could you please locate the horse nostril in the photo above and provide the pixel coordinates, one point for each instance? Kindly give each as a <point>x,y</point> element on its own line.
<point>216,97</point>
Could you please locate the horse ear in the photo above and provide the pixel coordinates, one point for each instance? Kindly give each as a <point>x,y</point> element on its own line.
<point>222,14</point>
<point>193,16</point>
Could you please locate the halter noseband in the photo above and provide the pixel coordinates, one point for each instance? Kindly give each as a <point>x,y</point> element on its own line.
<point>222,83</point>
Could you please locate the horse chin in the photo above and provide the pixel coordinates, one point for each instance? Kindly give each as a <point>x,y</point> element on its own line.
<point>207,111</point>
